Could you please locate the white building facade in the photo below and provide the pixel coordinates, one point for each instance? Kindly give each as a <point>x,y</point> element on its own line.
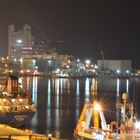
<point>115,66</point>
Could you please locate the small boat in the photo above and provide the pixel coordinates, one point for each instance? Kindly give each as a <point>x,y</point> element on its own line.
<point>92,124</point>
<point>88,127</point>
<point>16,106</point>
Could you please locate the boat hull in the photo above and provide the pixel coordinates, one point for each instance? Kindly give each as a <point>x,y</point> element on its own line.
<point>16,118</point>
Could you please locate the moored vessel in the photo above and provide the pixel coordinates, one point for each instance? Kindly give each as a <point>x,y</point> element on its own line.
<point>88,124</point>
<point>92,124</point>
<point>16,106</point>
<point>130,126</point>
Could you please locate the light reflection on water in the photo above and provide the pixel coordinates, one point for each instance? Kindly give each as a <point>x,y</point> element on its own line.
<point>60,101</point>
<point>57,116</point>
<point>127,85</point>
<point>34,98</point>
<point>48,113</point>
<point>77,100</point>
<point>118,99</point>
<point>87,90</point>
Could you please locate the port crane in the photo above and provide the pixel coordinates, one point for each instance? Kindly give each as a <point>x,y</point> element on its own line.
<point>102,59</point>
<point>102,53</point>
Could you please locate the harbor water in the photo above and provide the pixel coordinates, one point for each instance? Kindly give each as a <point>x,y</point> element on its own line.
<point>59,101</point>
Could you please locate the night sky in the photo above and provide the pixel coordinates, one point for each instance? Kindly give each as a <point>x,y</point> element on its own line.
<point>85,26</point>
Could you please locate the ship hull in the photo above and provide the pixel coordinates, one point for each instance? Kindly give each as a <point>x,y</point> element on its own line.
<point>16,118</point>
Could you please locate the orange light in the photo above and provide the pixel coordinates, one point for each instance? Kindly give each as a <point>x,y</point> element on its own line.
<point>21,71</point>
<point>13,100</point>
<point>28,70</point>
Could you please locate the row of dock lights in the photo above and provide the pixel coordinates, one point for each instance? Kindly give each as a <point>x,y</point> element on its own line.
<point>87,66</point>
<point>3,59</point>
<point>13,100</point>
<point>29,71</point>
<point>127,71</point>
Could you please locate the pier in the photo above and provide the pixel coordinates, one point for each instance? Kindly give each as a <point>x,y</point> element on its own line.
<point>10,133</point>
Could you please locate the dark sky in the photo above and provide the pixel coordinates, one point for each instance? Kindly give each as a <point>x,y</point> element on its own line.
<point>83,25</point>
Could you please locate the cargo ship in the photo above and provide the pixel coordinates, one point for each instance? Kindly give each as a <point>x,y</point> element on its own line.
<point>16,106</point>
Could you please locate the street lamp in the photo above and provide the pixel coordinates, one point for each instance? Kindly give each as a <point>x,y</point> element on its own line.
<point>96,67</point>
<point>87,61</point>
<point>118,71</point>
<point>21,60</point>
<point>127,71</point>
<point>49,61</point>
<point>68,66</point>
<point>78,60</point>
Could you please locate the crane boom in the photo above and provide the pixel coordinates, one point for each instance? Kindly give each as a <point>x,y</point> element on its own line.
<point>102,53</point>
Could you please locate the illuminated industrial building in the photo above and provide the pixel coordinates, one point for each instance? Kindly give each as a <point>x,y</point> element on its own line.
<point>115,66</point>
<point>20,43</point>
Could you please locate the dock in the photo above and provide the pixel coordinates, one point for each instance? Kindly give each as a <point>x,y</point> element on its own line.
<point>10,133</point>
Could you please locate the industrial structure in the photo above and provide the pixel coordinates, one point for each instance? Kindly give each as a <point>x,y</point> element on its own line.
<point>27,54</point>
<point>20,43</point>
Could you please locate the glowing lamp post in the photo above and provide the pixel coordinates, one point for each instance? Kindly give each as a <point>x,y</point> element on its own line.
<point>87,62</point>
<point>118,71</point>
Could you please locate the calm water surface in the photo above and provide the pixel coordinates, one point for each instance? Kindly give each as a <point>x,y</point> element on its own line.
<point>59,101</point>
